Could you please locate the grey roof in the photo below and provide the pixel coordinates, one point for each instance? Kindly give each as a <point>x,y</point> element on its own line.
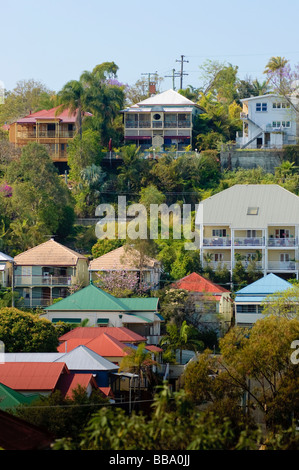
<point>80,358</point>
<point>276,206</point>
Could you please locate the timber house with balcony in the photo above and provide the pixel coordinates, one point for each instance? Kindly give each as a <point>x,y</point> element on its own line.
<point>162,121</point>
<point>47,272</point>
<point>251,222</point>
<point>47,128</point>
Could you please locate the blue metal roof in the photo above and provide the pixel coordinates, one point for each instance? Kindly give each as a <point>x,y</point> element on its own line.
<point>265,286</point>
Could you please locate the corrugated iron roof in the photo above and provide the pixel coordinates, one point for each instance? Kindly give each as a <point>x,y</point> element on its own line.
<point>196,283</point>
<point>94,298</point>
<point>122,333</point>
<point>31,376</point>
<point>120,259</point>
<point>276,206</point>
<point>49,253</point>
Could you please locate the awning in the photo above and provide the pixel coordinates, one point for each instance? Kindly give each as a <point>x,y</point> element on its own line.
<point>103,321</point>
<point>66,320</point>
<point>137,137</point>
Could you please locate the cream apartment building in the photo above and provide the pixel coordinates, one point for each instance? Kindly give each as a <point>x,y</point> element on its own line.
<point>251,221</point>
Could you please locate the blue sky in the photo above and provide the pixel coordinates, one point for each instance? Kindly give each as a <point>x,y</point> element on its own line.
<point>54,42</point>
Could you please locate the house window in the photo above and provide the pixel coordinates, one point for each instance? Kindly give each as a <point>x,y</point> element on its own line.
<point>251,233</point>
<point>261,107</point>
<point>276,124</point>
<point>284,257</point>
<point>218,257</point>
<point>219,232</point>
<point>282,233</point>
<point>252,211</point>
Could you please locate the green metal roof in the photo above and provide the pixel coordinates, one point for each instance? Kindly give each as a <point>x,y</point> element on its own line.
<point>94,298</point>
<point>9,398</point>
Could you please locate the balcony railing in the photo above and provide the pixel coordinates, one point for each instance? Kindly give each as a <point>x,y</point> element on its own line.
<point>282,265</point>
<point>23,280</point>
<point>282,242</point>
<point>157,124</point>
<point>249,241</point>
<point>217,264</point>
<point>217,241</point>
<point>45,135</point>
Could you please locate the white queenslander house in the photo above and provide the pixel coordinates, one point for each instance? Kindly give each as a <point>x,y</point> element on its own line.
<point>162,121</point>
<point>245,220</point>
<point>269,121</point>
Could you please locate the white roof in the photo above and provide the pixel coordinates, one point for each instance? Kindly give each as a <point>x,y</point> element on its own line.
<point>169,97</point>
<point>80,358</point>
<point>275,206</point>
<point>4,257</point>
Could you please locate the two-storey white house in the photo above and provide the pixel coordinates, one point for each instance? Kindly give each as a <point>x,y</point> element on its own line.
<point>269,121</point>
<point>161,121</point>
<point>251,221</point>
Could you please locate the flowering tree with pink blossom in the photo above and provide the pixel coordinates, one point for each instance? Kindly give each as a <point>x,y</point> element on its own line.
<point>121,283</point>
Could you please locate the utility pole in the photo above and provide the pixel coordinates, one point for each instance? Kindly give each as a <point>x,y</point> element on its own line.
<point>182,69</point>
<point>174,74</point>
<point>149,79</point>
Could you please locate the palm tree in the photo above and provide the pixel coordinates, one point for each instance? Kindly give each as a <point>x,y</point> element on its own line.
<point>104,99</point>
<point>276,65</point>
<point>73,97</point>
<point>181,338</point>
<point>138,361</point>
<point>260,88</point>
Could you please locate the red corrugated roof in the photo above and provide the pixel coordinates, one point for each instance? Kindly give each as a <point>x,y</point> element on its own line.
<point>107,391</point>
<point>69,382</point>
<point>64,116</point>
<point>32,375</point>
<point>120,333</point>
<point>196,283</point>
<point>104,345</point>
<point>71,344</point>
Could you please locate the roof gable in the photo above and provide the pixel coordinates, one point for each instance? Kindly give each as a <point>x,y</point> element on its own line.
<point>121,333</point>
<point>169,97</point>
<point>196,283</point>
<point>267,285</point>
<point>31,376</point>
<point>94,298</point>
<point>275,205</point>
<point>120,259</point>
<point>49,253</point>
<point>88,298</point>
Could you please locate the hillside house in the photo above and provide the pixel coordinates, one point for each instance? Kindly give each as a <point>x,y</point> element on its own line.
<point>161,121</point>
<point>140,315</point>
<point>250,222</point>
<point>249,300</point>
<point>48,128</point>
<point>47,272</point>
<point>213,303</point>
<point>122,260</point>
<point>6,270</point>
<point>269,121</point>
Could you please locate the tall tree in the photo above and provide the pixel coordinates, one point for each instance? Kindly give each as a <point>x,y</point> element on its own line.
<point>72,97</point>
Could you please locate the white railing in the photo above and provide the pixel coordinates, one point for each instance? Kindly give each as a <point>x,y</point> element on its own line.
<point>217,241</point>
<point>23,280</point>
<point>282,242</point>
<point>249,241</point>
<point>282,265</point>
